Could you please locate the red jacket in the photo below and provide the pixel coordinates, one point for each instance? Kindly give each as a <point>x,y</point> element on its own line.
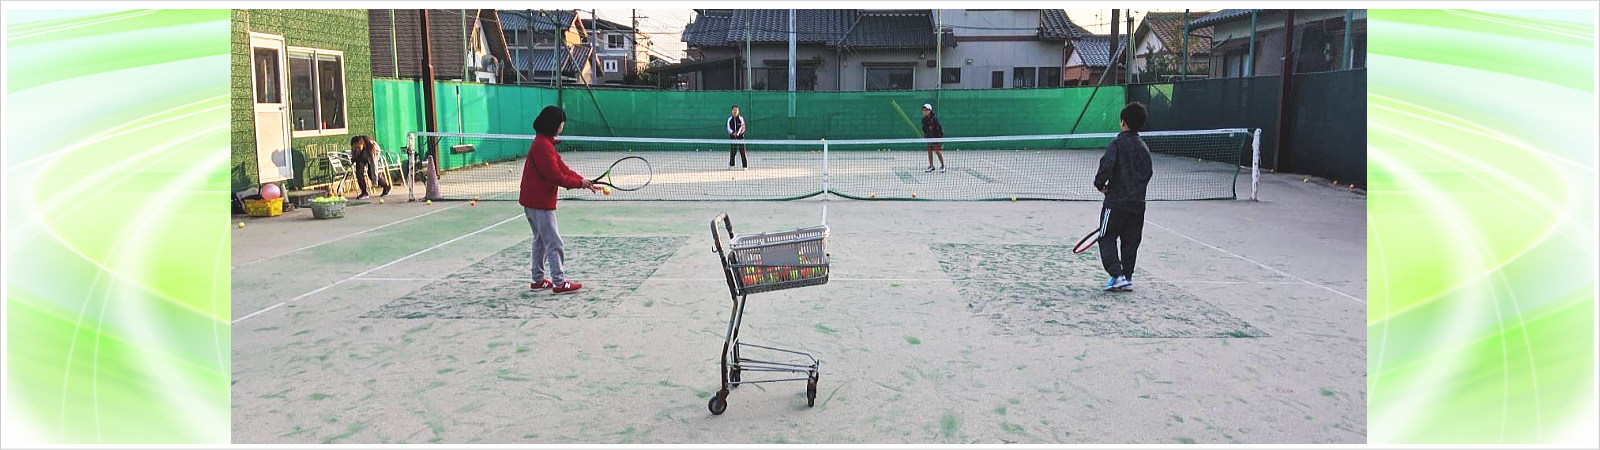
<point>542,173</point>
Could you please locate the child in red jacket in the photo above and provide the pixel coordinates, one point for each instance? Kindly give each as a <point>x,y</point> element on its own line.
<point>542,173</point>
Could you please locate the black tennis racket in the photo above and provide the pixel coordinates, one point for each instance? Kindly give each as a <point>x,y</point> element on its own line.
<point>627,174</point>
<point>1087,241</point>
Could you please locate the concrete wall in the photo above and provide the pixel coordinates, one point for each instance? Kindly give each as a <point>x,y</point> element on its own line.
<point>1002,56</point>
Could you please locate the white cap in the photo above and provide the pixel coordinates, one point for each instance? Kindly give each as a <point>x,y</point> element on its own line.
<point>927,106</point>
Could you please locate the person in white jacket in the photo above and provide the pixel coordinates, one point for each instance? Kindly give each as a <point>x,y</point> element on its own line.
<point>736,132</point>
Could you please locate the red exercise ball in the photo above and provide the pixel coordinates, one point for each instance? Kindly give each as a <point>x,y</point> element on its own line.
<point>271,191</point>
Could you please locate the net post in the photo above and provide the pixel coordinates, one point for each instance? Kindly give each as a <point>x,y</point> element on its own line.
<point>411,167</point>
<point>824,182</point>
<point>1255,163</point>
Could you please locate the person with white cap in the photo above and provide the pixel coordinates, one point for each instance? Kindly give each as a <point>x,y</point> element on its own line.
<point>932,129</point>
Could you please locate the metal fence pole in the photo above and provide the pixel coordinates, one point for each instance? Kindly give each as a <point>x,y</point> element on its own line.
<point>1250,58</point>
<point>1344,52</point>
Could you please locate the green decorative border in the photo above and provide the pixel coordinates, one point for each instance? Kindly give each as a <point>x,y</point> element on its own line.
<point>1480,229</point>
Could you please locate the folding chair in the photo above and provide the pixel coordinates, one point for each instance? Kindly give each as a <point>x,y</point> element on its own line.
<point>342,169</point>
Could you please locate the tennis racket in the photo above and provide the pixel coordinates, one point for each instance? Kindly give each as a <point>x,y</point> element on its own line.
<point>627,174</point>
<point>1087,241</point>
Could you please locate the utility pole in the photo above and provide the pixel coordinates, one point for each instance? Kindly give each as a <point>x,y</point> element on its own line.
<point>749,21</point>
<point>594,36</point>
<point>791,73</point>
<point>1129,50</point>
<point>1184,74</point>
<point>633,47</point>
<point>1111,45</point>
<point>431,122</point>
<point>938,54</point>
<point>1285,76</point>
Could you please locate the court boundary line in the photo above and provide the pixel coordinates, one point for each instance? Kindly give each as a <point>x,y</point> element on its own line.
<point>347,236</point>
<point>374,269</point>
<point>917,280</point>
<point>1258,263</point>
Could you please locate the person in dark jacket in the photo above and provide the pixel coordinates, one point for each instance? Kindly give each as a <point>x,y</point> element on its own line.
<point>542,172</point>
<point>1123,176</point>
<point>931,128</point>
<point>736,132</point>
<point>364,154</point>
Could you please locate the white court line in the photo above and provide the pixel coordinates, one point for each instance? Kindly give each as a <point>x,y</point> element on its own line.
<point>1279,272</point>
<point>375,269</point>
<point>347,236</point>
<point>915,280</point>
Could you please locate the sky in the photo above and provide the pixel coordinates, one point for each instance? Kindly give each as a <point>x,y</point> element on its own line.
<point>665,26</point>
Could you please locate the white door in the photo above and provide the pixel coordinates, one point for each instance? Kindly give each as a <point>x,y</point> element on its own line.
<point>269,79</point>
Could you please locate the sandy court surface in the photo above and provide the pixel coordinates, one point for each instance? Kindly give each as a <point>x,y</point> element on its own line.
<point>944,322</point>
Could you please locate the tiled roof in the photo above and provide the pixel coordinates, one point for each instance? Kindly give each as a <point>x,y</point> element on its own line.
<point>708,30</point>
<point>543,59</point>
<point>1226,15</point>
<point>911,29</point>
<point>1168,27</point>
<point>541,20</point>
<point>821,26</point>
<point>1094,50</point>
<point>1054,25</point>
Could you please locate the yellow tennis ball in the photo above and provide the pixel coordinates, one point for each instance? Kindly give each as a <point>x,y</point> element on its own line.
<point>241,225</point>
<point>872,195</point>
<point>430,202</point>
<point>1013,199</point>
<point>1305,180</point>
<point>380,201</point>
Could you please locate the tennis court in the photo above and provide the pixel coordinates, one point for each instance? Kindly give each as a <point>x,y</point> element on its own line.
<point>943,322</point>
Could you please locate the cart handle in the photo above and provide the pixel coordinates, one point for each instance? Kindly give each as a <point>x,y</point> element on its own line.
<point>727,224</point>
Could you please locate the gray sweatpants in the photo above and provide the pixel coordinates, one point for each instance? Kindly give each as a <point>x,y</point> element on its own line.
<point>547,245</point>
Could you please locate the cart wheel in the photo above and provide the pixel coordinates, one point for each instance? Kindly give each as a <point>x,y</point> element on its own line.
<point>719,403</point>
<point>811,394</point>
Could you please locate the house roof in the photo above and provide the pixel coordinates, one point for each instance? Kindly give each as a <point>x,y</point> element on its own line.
<point>541,20</point>
<point>1094,50</point>
<point>1168,27</point>
<point>544,59</point>
<point>820,26</point>
<point>708,29</point>
<point>891,30</point>
<point>1226,15</point>
<point>1054,25</point>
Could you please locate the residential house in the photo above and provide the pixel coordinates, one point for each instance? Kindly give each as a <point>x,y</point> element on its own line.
<point>1158,44</point>
<point>1088,59</point>
<point>623,52</point>
<point>465,44</point>
<point>1319,40</point>
<point>1006,48</point>
<point>301,87</point>
<point>540,40</point>
<point>875,49</point>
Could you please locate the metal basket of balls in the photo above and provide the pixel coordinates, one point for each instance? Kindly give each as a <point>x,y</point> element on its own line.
<point>330,207</point>
<point>781,260</point>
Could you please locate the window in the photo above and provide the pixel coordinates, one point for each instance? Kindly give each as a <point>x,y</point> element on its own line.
<point>1022,77</point>
<point>267,89</point>
<point>1049,76</point>
<point>997,79</point>
<point>513,38</point>
<point>950,75</point>
<point>615,41</point>
<point>610,65</point>
<point>777,79</point>
<point>316,92</point>
<point>889,78</point>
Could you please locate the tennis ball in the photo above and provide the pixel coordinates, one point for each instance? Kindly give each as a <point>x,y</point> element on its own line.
<point>872,195</point>
<point>606,191</point>
<point>472,203</point>
<point>380,201</point>
<point>1013,199</point>
<point>430,202</point>
<point>1335,182</point>
<point>241,225</point>
<point>1305,180</point>
<point>913,195</point>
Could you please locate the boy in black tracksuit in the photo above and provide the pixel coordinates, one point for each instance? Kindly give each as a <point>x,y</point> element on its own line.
<point>1123,176</point>
<point>931,128</point>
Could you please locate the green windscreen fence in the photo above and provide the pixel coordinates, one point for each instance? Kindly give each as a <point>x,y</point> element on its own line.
<point>510,109</point>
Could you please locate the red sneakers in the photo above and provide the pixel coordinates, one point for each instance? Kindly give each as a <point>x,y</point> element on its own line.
<point>542,284</point>
<point>566,286</point>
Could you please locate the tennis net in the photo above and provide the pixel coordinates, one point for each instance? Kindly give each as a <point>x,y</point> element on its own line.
<point>1187,165</point>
